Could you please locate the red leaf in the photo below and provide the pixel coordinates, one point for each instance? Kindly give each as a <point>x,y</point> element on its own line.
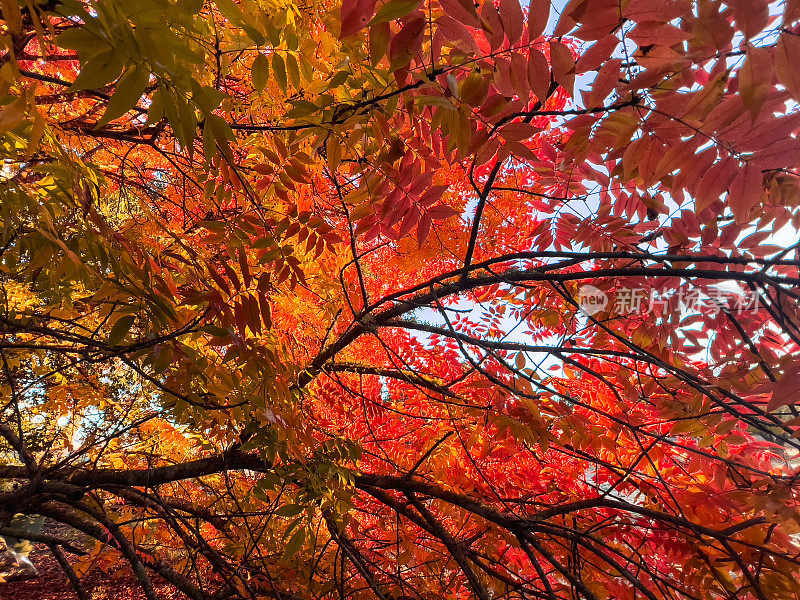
<point>605,82</point>
<point>539,75</point>
<point>432,195</point>
<point>231,274</point>
<point>242,256</point>
<point>502,78</point>
<point>423,229</point>
<point>514,132</point>
<point>715,181</point>
<point>440,212</point>
<point>408,223</point>
<point>767,133</point>
<point>745,192</point>
<point>785,153</point>
<point>569,14</point>
<point>563,65</point>
<point>661,11</point>
<point>653,34</point>
<point>492,25</point>
<point>355,16</point>
<point>520,150</point>
<point>519,76</point>
<point>403,45</point>
<point>254,319</point>
<point>596,54</point>
<point>512,19</point>
<point>240,314</point>
<point>223,285</point>
<point>755,79</point>
<point>462,11</point>
<point>454,31</point>
<point>600,18</point>
<point>787,58</point>
<point>538,15</point>
<point>751,16</point>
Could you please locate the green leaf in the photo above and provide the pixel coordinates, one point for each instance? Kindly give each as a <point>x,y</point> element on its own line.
<point>274,34</point>
<point>130,88</point>
<point>216,330</point>
<point>222,132</point>
<point>394,9</point>
<point>163,359</point>
<point>35,133</point>
<point>301,108</point>
<point>293,69</point>
<point>156,111</point>
<point>289,510</point>
<point>120,329</point>
<point>292,526</point>
<point>12,114</point>
<point>269,481</point>
<point>98,71</point>
<point>291,38</point>
<point>12,16</point>
<point>338,79</point>
<point>294,544</point>
<point>231,11</point>
<point>260,493</point>
<point>180,116</point>
<point>279,68</point>
<point>189,7</point>
<point>84,42</point>
<point>209,150</point>
<point>260,72</point>
<point>206,97</point>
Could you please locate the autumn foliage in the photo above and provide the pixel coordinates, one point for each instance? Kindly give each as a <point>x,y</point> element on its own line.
<point>294,295</point>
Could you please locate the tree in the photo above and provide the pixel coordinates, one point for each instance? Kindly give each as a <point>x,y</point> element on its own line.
<point>405,299</point>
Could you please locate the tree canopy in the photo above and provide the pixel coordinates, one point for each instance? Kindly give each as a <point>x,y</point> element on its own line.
<point>405,299</point>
